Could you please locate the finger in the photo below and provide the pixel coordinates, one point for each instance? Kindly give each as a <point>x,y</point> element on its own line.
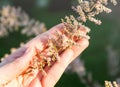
<point>55,72</point>
<point>40,42</point>
<point>13,56</point>
<point>79,49</point>
<point>17,66</point>
<point>35,83</point>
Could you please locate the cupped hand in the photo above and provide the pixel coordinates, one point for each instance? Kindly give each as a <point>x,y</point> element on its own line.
<point>12,67</point>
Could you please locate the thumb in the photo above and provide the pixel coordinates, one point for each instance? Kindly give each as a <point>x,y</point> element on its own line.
<point>16,67</point>
<point>54,74</point>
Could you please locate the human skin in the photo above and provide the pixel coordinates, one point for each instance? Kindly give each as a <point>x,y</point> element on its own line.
<point>12,67</point>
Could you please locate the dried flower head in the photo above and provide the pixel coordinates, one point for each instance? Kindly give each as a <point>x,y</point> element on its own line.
<point>89,9</point>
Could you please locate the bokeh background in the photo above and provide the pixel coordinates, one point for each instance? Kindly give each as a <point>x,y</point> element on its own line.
<point>102,57</point>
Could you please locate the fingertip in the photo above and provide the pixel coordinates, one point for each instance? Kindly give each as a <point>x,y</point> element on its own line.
<point>84,29</point>
<point>84,42</point>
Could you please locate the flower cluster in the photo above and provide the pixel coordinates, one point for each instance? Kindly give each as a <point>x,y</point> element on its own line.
<point>33,28</point>
<point>110,84</point>
<point>55,46</point>
<point>88,9</point>
<point>12,18</point>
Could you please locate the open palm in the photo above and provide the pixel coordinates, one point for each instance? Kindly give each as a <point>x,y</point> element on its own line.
<point>13,67</point>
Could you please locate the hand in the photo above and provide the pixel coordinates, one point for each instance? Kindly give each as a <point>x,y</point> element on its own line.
<point>12,68</point>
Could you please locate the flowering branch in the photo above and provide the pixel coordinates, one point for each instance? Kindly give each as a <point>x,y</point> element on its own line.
<point>87,10</point>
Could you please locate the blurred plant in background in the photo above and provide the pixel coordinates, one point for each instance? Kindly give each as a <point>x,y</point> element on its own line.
<point>11,19</point>
<point>85,77</point>
<point>113,56</point>
<point>15,19</point>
